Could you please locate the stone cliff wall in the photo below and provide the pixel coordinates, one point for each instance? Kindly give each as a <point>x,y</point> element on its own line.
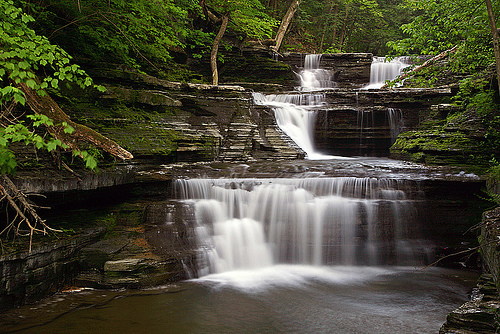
<point>26,277</point>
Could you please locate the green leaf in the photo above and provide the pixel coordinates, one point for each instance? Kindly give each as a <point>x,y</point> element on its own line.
<point>31,83</point>
<point>19,98</point>
<point>90,162</point>
<point>52,145</point>
<point>68,128</point>
<point>7,90</point>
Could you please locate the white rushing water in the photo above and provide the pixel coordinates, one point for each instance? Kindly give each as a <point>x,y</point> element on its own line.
<point>256,223</point>
<point>395,119</point>
<point>294,113</point>
<point>312,77</point>
<point>382,70</point>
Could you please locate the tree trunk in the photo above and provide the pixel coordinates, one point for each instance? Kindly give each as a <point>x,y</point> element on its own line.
<point>335,24</point>
<point>215,49</point>
<point>45,105</point>
<point>344,27</point>
<point>285,22</point>
<point>273,4</point>
<point>326,26</point>
<point>496,47</point>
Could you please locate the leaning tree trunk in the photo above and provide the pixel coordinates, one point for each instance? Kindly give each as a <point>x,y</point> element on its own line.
<point>496,47</point>
<point>335,24</point>
<point>285,23</point>
<point>45,105</point>
<point>344,28</point>
<point>215,49</point>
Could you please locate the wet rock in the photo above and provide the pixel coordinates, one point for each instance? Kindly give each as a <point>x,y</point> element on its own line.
<point>472,317</point>
<point>367,123</point>
<point>480,315</point>
<point>57,180</point>
<point>125,265</point>
<point>490,243</point>
<point>156,249</point>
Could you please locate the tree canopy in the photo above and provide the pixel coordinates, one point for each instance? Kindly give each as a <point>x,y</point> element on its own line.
<point>440,25</point>
<point>24,54</point>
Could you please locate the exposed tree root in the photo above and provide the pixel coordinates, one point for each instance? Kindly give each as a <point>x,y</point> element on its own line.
<point>25,212</point>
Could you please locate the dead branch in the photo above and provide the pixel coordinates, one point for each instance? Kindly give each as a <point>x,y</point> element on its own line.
<point>470,250</point>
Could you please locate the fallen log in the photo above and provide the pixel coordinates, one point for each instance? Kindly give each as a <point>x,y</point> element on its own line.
<point>45,105</point>
<point>427,63</point>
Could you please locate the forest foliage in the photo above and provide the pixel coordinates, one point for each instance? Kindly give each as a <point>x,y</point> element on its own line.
<point>165,34</point>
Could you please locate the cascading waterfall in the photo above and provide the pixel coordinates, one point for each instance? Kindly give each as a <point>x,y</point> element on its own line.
<point>366,121</point>
<point>395,119</point>
<point>295,112</point>
<point>382,70</point>
<point>256,223</point>
<point>294,115</point>
<point>312,77</point>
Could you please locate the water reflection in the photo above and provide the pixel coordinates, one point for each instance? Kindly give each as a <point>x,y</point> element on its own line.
<point>284,299</point>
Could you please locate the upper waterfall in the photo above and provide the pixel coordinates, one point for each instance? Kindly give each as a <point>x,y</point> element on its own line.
<point>382,70</point>
<point>312,77</point>
<point>294,113</point>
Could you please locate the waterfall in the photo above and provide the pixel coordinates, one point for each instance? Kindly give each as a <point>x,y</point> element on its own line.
<point>257,223</point>
<point>312,77</point>
<point>367,122</point>
<point>395,119</point>
<point>382,70</point>
<point>294,113</point>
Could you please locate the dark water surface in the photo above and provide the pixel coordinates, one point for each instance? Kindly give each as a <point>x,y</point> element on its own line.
<point>278,299</point>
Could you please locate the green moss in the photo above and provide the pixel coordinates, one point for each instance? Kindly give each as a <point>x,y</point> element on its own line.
<point>442,147</point>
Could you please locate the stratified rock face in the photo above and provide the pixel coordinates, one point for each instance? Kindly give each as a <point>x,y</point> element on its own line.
<point>350,70</point>
<point>490,243</point>
<point>189,122</point>
<point>447,137</point>
<point>26,277</point>
<point>367,122</point>
<point>154,247</point>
